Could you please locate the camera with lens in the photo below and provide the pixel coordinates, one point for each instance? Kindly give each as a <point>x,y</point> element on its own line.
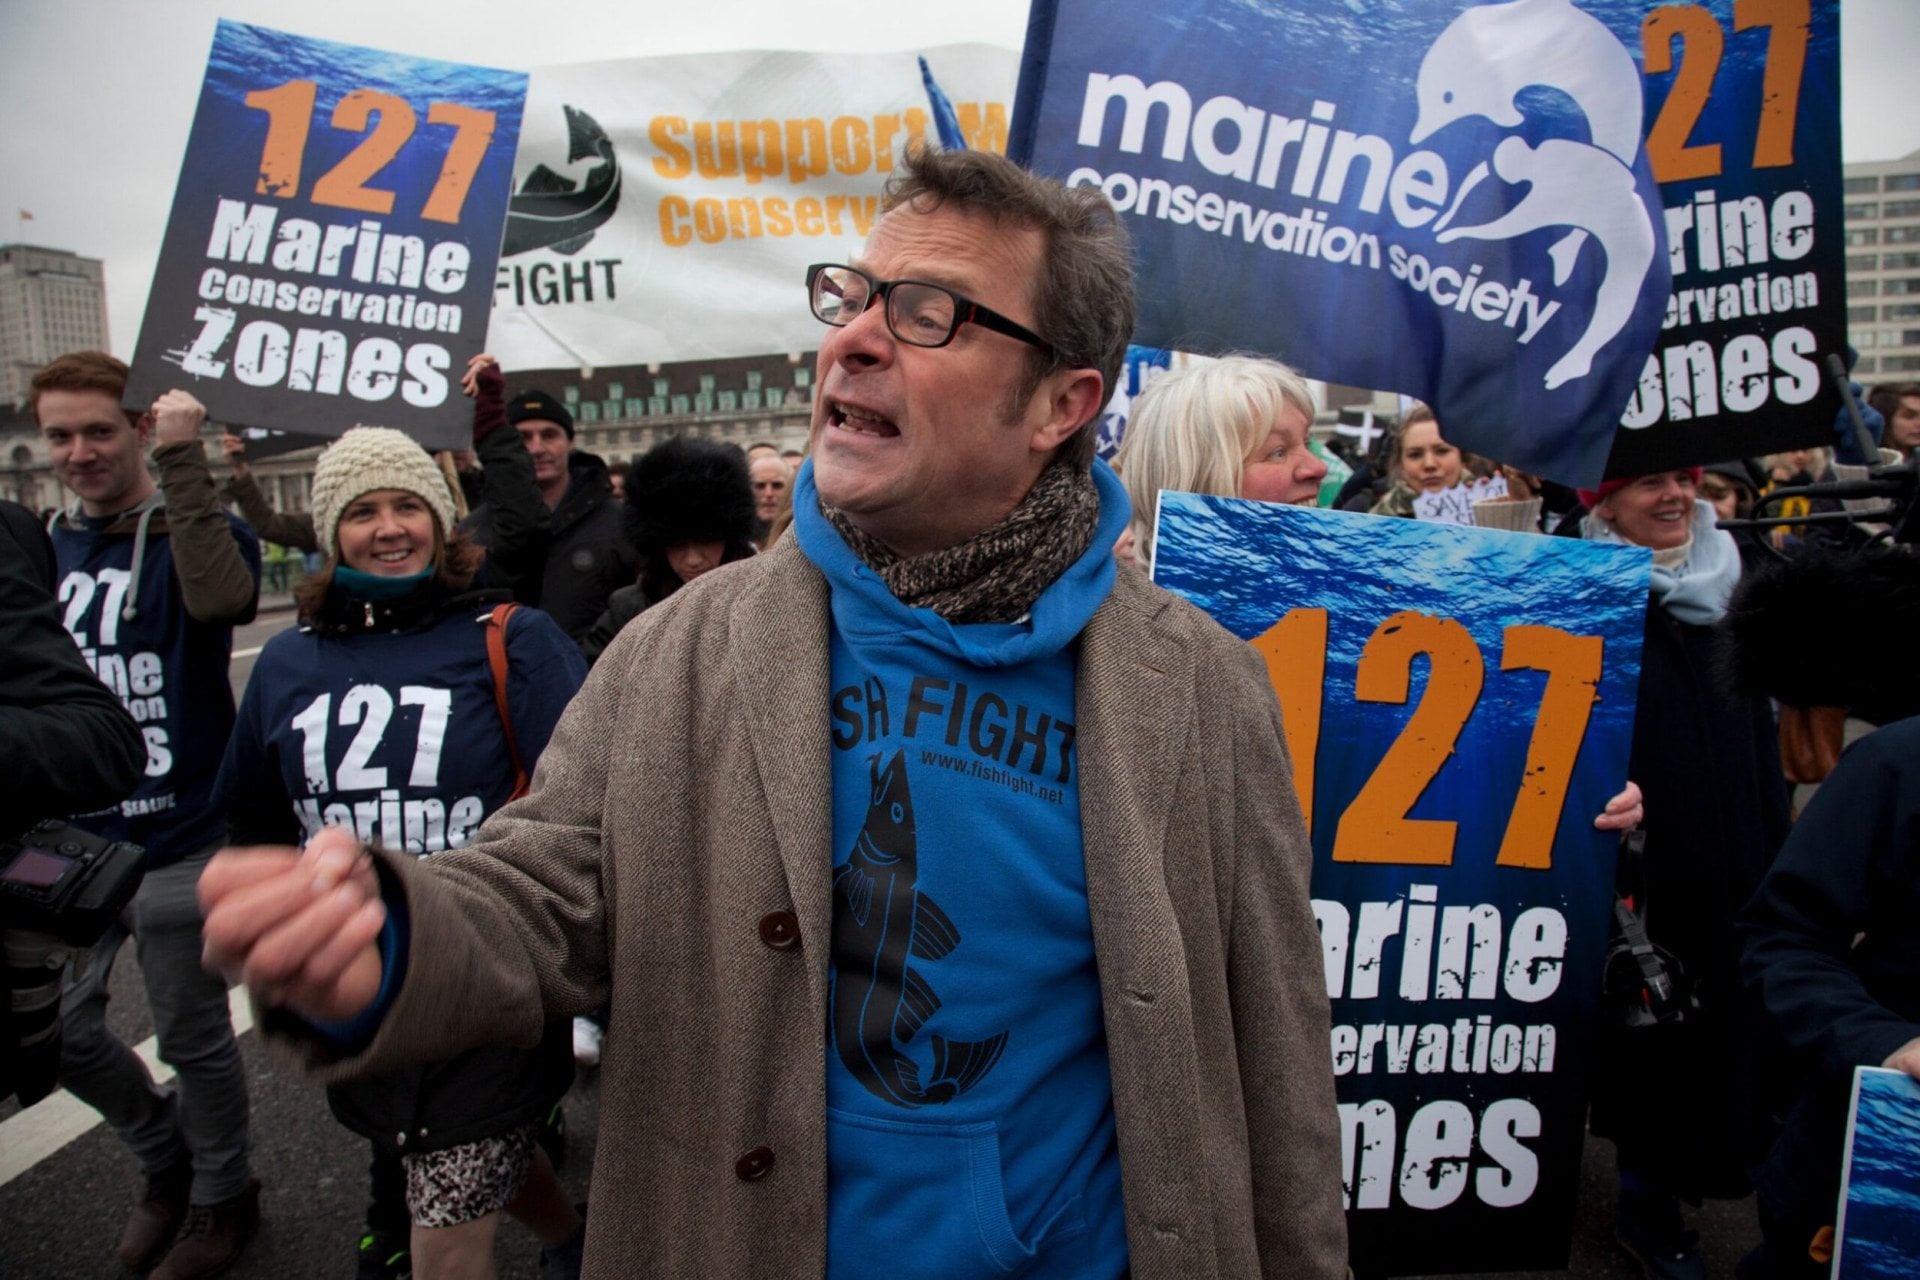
<point>60,887</point>
<point>60,880</point>
<point>1642,986</point>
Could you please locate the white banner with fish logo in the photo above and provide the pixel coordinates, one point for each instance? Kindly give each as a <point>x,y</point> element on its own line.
<point>667,208</point>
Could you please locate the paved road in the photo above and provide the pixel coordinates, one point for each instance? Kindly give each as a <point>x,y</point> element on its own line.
<point>276,615</point>
<point>63,1213</point>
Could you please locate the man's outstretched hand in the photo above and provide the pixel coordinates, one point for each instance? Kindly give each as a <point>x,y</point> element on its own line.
<point>299,929</point>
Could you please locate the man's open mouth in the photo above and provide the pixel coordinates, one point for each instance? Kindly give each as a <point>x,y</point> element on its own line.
<point>859,421</point>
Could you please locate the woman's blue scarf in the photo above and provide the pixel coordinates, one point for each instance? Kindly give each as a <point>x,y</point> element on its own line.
<point>1698,590</point>
<point>367,586</point>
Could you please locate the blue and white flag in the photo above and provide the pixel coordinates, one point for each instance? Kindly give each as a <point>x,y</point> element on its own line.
<point>1142,366</point>
<point>1449,200</point>
<point>946,124</point>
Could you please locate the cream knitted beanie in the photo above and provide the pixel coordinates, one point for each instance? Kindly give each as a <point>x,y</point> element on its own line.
<point>370,458</point>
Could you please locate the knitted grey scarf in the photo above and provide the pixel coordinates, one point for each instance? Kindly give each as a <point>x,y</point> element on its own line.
<point>996,575</point>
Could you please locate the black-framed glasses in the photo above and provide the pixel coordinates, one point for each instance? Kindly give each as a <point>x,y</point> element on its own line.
<point>918,313</point>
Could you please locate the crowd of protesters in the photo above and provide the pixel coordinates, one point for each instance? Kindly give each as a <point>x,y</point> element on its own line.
<point>562,861</point>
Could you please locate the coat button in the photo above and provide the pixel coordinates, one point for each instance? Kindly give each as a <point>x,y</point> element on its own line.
<point>754,1165</point>
<point>780,930</point>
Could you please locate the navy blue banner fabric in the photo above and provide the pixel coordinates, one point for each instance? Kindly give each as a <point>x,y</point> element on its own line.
<point>1452,201</point>
<point>1743,132</point>
<point>330,255</point>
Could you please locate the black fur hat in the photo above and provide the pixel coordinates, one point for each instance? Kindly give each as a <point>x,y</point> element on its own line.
<point>687,490</point>
<point>1830,628</point>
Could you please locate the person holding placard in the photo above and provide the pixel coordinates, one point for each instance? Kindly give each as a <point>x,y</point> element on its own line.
<point>154,579</point>
<point>1236,426</point>
<point>549,518</point>
<point>1422,463</point>
<point>1677,1097</point>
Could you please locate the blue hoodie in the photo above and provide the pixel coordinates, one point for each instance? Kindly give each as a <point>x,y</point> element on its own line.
<point>970,1126</point>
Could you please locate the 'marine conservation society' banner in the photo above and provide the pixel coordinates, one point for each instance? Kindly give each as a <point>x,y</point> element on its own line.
<point>1462,202</point>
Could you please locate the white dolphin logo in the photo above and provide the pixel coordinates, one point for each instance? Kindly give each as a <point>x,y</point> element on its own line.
<point>1478,67</point>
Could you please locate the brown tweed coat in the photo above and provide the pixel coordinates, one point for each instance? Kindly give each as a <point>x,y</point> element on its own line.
<point>674,857</point>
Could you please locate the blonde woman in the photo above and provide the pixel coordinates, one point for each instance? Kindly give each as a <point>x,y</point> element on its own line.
<point>1235,427</point>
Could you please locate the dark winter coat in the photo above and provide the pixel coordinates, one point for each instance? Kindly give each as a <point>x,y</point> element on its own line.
<point>681,490</point>
<point>566,560</point>
<point>1850,870</point>
<point>1676,1099</point>
<point>1823,628</point>
<point>69,744</point>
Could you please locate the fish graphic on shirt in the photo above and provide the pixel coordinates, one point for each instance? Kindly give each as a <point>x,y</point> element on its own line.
<point>881,921</point>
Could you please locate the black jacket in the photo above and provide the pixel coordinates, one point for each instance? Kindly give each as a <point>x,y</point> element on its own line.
<point>1850,870</point>
<point>628,603</point>
<point>1682,1101</point>
<point>69,745</point>
<point>567,560</point>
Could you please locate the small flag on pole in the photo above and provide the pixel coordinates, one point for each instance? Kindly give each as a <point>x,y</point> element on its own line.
<point>944,120</point>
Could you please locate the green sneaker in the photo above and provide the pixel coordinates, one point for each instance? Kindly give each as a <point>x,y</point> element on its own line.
<point>383,1258</point>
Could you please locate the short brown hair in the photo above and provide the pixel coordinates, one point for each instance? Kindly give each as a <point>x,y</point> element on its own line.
<point>1083,300</point>
<point>456,561</point>
<point>80,371</point>
<point>1887,396</point>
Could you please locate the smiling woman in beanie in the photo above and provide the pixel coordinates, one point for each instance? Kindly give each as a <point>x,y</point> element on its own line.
<point>348,721</point>
<point>689,511</point>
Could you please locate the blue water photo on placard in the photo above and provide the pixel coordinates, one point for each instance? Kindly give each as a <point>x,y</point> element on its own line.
<point>1878,1237</point>
<point>1250,563</point>
<point>1458,703</point>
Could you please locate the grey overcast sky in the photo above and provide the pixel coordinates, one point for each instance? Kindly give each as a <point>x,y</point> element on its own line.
<point>98,95</point>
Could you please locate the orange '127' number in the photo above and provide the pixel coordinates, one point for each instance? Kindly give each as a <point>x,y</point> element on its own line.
<point>1702,41</point>
<point>289,109</point>
<point>1375,826</point>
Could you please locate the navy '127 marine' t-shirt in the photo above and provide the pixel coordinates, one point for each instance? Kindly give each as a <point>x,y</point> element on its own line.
<point>167,667</point>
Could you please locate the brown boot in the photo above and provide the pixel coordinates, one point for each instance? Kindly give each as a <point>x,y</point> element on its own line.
<point>156,1219</point>
<point>213,1237</point>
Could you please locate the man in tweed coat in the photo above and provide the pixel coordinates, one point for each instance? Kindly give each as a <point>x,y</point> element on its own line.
<point>946,881</point>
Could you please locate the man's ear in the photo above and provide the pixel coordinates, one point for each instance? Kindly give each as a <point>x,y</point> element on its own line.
<point>1072,398</point>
